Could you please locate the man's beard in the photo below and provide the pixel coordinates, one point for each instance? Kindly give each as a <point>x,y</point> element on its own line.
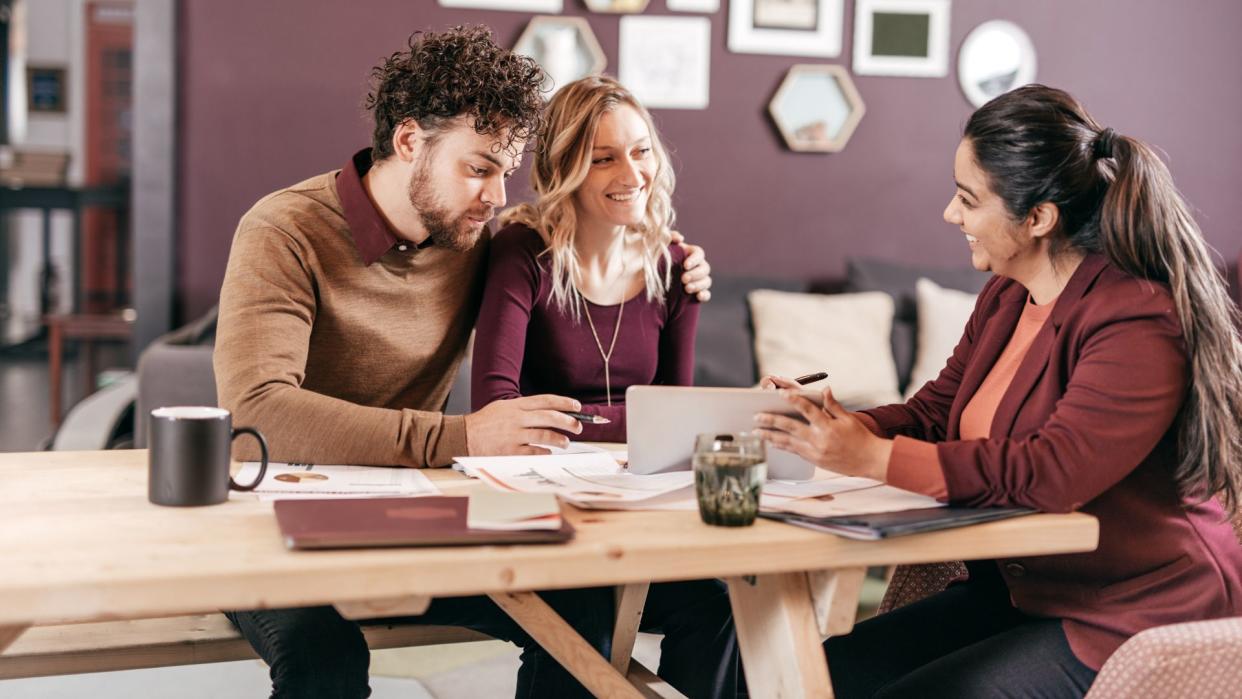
<point>443,228</point>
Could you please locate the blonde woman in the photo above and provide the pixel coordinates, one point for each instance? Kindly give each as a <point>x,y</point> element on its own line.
<point>583,299</point>
<point>580,298</point>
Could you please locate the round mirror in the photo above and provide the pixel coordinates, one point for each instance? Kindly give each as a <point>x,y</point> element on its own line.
<point>996,57</point>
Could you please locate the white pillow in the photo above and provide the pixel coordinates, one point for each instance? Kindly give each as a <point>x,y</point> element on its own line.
<point>846,335</point>
<point>943,314</point>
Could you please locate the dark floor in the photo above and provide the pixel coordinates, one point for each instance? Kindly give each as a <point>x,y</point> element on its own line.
<point>25,420</point>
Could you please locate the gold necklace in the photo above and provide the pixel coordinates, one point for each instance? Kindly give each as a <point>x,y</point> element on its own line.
<point>607,356</point>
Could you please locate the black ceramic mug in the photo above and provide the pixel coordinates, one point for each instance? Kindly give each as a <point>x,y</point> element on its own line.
<point>188,458</point>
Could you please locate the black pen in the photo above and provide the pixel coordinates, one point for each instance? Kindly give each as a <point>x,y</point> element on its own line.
<point>587,419</point>
<point>811,378</point>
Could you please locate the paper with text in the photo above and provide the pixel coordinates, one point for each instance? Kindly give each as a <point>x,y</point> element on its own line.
<point>291,480</point>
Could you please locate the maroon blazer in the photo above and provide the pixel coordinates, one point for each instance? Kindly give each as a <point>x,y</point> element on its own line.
<point>1087,424</point>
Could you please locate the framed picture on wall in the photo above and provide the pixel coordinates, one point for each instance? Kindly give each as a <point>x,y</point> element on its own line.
<point>816,108</point>
<point>46,90</point>
<point>996,57</point>
<point>565,47</point>
<point>617,6</point>
<point>901,37</point>
<point>665,61</point>
<point>548,6</point>
<point>693,5</point>
<point>786,27</point>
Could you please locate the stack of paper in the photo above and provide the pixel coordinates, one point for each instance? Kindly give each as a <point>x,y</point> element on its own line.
<point>587,480</point>
<point>833,494</point>
<point>288,481</point>
<point>596,481</point>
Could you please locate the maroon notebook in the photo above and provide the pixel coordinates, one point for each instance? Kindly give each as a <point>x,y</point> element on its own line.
<point>423,521</point>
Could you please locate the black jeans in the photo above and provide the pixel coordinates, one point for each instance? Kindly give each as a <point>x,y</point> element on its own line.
<point>965,642</point>
<point>315,652</point>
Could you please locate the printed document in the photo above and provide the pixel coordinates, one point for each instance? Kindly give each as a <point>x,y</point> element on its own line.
<point>290,480</point>
<point>594,480</point>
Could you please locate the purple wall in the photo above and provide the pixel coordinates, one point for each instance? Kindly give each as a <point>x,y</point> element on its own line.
<point>272,93</point>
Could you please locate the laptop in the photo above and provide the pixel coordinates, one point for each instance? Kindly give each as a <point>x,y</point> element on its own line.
<point>662,422</point>
<point>401,521</point>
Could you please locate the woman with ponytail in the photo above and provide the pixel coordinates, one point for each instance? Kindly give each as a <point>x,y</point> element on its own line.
<point>1101,371</point>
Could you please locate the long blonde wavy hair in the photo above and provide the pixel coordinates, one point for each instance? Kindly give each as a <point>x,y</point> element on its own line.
<point>562,161</point>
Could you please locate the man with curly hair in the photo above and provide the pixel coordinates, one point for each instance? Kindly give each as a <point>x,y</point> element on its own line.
<point>346,308</point>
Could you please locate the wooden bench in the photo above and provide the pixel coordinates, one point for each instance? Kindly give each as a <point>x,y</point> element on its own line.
<point>210,638</point>
<point>183,640</point>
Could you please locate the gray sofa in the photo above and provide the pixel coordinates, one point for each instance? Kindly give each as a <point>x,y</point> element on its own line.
<point>176,369</point>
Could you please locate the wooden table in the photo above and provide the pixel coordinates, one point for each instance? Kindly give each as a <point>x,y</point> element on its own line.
<point>81,543</point>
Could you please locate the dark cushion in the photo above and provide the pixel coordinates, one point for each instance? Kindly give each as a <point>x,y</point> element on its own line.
<point>724,345</point>
<point>898,281</point>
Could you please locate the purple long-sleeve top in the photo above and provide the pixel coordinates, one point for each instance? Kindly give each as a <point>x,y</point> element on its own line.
<point>525,346</point>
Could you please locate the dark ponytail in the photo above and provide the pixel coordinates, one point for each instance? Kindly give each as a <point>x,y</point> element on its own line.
<point>1115,196</point>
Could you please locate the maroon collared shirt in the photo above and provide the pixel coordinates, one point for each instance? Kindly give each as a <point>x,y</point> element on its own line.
<point>371,233</point>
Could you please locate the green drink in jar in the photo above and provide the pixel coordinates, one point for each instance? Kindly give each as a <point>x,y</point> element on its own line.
<point>729,470</point>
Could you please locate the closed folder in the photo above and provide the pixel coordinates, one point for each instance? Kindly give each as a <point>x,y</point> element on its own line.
<point>883,525</point>
<point>367,522</point>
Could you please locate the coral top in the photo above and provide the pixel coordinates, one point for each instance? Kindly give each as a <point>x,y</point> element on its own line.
<point>914,464</point>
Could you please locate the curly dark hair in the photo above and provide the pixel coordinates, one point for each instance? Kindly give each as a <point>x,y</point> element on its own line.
<point>447,74</point>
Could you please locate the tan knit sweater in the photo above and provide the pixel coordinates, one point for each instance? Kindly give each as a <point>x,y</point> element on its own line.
<point>336,361</point>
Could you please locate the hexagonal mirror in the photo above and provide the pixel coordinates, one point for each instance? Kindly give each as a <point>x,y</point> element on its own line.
<point>816,108</point>
<point>565,47</point>
<point>617,5</point>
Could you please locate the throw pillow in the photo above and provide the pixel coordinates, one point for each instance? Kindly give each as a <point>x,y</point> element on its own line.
<point>898,281</point>
<point>846,335</point>
<point>724,354</point>
<point>943,314</point>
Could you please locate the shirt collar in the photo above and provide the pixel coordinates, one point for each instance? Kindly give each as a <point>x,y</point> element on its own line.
<point>371,233</point>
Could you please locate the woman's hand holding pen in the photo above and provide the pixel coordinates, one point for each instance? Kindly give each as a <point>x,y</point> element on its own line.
<point>778,382</point>
<point>831,437</point>
<point>773,381</point>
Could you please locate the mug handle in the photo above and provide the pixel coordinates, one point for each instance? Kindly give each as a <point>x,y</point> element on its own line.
<point>262,464</point>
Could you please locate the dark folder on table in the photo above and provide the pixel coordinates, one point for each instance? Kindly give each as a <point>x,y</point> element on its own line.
<point>884,525</point>
<point>401,521</point>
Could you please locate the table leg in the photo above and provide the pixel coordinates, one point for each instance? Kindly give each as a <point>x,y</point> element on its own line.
<point>834,593</point>
<point>650,685</point>
<point>55,360</point>
<point>8,634</point>
<point>778,636</point>
<point>563,643</point>
<point>77,287</point>
<point>47,276</point>
<point>382,608</point>
<point>89,366</point>
<point>630,601</point>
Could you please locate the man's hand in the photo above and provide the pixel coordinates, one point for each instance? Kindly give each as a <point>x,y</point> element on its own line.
<point>698,275</point>
<point>508,427</point>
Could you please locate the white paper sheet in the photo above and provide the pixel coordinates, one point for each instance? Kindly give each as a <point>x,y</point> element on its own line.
<point>876,499</point>
<point>588,479</point>
<point>290,481</point>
